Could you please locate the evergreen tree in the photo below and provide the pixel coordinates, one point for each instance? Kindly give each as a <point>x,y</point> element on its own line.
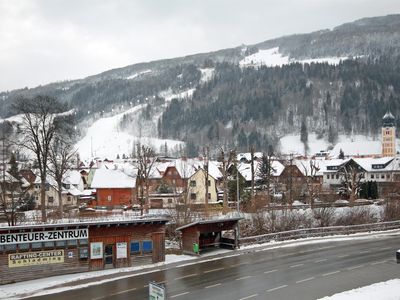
<point>341,154</point>
<point>13,170</point>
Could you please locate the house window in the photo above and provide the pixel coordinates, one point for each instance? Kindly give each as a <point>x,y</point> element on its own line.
<point>388,176</point>
<point>337,176</point>
<point>209,182</point>
<point>109,198</point>
<point>209,196</point>
<point>372,176</point>
<point>50,199</point>
<point>36,245</point>
<point>135,247</point>
<point>382,176</point>
<point>147,246</point>
<point>193,196</point>
<point>192,183</point>
<point>169,200</point>
<point>49,244</point>
<point>24,246</point>
<point>69,199</point>
<point>327,176</point>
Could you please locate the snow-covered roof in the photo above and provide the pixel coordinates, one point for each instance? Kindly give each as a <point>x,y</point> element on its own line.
<point>106,178</point>
<point>72,177</point>
<point>359,148</point>
<point>245,169</point>
<point>8,178</point>
<point>247,156</point>
<point>369,164</point>
<point>304,165</point>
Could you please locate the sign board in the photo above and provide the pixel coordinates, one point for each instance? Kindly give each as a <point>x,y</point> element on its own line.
<point>156,291</point>
<point>26,259</point>
<point>122,250</point>
<point>96,250</point>
<point>43,236</point>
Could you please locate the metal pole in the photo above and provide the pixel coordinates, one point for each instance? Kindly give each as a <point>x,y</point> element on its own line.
<point>237,204</point>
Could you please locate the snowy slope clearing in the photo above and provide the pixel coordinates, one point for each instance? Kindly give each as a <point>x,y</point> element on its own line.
<point>103,138</point>
<point>273,58</point>
<point>388,290</point>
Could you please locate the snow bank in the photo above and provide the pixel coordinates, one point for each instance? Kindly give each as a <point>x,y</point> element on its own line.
<point>389,290</point>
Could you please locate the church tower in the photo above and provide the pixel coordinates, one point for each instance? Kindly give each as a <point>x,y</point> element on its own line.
<point>388,135</point>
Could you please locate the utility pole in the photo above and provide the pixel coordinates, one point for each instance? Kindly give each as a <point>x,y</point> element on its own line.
<point>206,180</point>
<point>237,204</point>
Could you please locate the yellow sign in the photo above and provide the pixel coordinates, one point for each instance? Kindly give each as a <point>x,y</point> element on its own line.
<point>35,258</point>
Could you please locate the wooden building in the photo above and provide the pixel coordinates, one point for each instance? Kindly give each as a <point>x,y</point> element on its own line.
<point>38,251</point>
<point>209,234</point>
<point>114,188</point>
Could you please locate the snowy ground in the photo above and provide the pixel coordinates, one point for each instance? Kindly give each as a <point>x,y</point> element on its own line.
<point>272,58</point>
<point>388,290</point>
<point>103,138</point>
<point>36,287</point>
<point>291,144</point>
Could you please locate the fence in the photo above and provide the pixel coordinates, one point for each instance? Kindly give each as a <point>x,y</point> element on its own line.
<point>319,232</point>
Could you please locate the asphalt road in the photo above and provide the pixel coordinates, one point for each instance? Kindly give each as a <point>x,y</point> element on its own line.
<point>301,272</point>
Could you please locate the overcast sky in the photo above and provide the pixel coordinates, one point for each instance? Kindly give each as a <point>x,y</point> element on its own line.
<point>43,41</point>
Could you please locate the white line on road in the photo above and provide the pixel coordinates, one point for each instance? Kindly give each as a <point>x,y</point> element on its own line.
<point>355,267</point>
<point>211,286</point>
<point>386,248</point>
<point>181,294</point>
<point>378,262</point>
<point>330,273</point>
<point>190,275</point>
<point>326,247</point>
<point>343,255</point>
<point>320,260</point>
<point>213,270</point>
<point>244,277</point>
<point>364,251</point>
<point>295,266</point>
<point>304,280</point>
<point>277,288</point>
<point>267,272</point>
<point>248,297</point>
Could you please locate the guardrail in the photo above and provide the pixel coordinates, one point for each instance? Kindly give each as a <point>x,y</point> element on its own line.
<point>319,232</point>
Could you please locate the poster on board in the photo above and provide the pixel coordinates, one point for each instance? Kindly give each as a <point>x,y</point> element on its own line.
<point>96,250</point>
<point>156,291</point>
<point>122,250</point>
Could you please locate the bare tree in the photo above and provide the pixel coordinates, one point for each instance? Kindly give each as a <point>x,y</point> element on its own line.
<point>352,174</point>
<point>61,156</point>
<point>253,172</point>
<point>266,172</point>
<point>206,158</point>
<point>310,172</point>
<point>146,158</point>
<point>38,131</point>
<point>226,163</point>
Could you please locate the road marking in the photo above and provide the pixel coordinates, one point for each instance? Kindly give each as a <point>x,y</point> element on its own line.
<point>364,251</point>
<point>304,280</point>
<point>248,297</point>
<point>244,277</point>
<point>213,270</point>
<point>355,267</point>
<point>295,266</point>
<point>386,248</point>
<point>211,286</point>
<point>344,255</point>
<point>190,275</point>
<point>320,260</point>
<point>330,273</point>
<point>181,294</point>
<point>162,282</point>
<point>326,247</point>
<point>378,262</point>
<point>267,272</point>
<point>277,288</point>
<point>146,285</point>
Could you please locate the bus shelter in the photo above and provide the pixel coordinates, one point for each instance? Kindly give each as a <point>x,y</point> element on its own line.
<point>206,234</point>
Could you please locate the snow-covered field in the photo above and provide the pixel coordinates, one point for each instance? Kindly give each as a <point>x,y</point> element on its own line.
<point>273,58</point>
<point>291,144</point>
<point>388,290</point>
<point>103,138</point>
